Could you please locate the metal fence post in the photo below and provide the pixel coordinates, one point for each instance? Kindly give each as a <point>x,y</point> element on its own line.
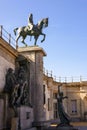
<point>65,79</point>
<point>9,38</point>
<point>60,79</point>
<point>51,73</point>
<point>72,79</point>
<point>80,78</point>
<point>1,30</point>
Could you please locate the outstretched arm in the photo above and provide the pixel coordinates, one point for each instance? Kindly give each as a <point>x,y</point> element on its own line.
<point>65,97</point>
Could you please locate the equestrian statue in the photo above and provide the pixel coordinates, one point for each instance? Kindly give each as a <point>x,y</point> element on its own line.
<point>31,29</point>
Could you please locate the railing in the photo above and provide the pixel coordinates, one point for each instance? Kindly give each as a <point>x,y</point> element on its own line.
<point>7,37</point>
<point>65,79</point>
<point>71,79</point>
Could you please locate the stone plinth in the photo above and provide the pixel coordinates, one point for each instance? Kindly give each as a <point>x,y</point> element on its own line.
<point>35,55</point>
<point>26,117</point>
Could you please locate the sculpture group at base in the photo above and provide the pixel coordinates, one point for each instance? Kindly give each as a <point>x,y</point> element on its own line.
<point>31,30</point>
<point>16,87</point>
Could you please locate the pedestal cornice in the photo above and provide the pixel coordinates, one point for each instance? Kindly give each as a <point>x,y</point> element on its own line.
<point>32,49</point>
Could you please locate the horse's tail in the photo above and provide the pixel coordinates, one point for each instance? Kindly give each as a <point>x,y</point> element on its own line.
<point>15,30</point>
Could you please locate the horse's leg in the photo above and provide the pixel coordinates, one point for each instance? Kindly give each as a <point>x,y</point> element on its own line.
<point>23,38</point>
<point>43,37</point>
<point>18,36</point>
<point>35,37</point>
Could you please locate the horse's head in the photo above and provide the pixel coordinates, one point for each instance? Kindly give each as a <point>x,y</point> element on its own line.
<point>45,22</point>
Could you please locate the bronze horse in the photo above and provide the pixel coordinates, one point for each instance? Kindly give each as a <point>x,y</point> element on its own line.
<point>35,31</point>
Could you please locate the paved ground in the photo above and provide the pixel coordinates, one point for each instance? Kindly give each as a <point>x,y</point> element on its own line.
<point>79,125</point>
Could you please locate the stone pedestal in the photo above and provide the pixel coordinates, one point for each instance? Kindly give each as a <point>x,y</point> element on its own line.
<point>26,117</point>
<point>35,55</point>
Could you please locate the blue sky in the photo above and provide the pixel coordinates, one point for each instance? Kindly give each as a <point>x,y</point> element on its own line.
<point>66,34</point>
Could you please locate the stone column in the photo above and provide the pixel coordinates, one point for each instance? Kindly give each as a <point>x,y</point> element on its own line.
<point>35,55</point>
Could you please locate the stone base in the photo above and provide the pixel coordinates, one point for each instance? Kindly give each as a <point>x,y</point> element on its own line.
<point>26,117</point>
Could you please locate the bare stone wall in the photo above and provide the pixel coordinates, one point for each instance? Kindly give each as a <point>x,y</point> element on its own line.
<point>4,65</point>
<point>7,60</point>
